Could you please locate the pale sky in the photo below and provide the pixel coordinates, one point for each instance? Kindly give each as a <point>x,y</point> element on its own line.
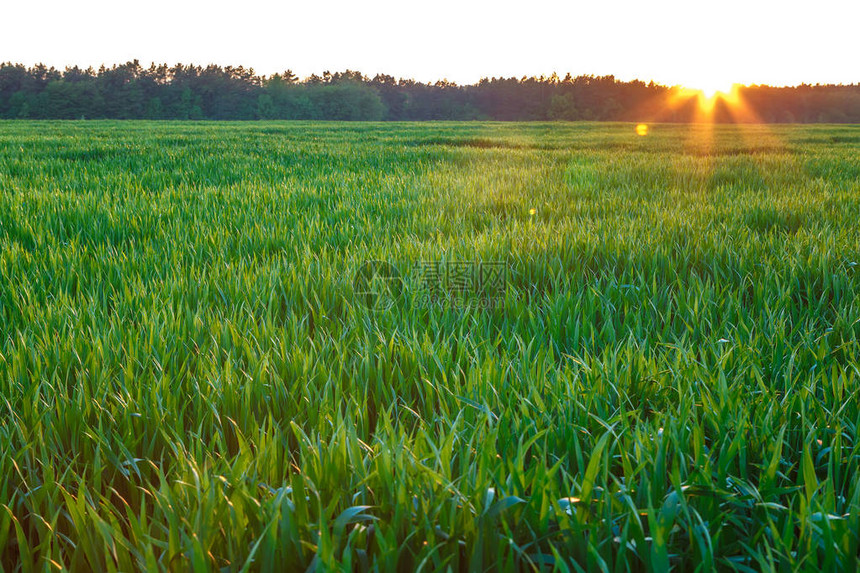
<point>692,43</point>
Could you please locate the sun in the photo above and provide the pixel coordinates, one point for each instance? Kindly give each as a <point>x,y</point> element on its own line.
<point>708,93</point>
<point>712,89</point>
<point>712,102</point>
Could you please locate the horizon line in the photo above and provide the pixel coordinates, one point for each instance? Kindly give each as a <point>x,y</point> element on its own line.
<point>561,76</point>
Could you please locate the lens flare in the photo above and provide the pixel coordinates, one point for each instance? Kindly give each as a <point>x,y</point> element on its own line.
<point>642,129</point>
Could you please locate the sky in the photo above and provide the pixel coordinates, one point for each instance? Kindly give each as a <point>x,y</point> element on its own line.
<point>703,45</point>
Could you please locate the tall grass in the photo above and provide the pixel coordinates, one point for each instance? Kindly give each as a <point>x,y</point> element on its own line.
<point>189,382</point>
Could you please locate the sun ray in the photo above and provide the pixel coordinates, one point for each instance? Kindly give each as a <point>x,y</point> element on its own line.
<point>702,109</point>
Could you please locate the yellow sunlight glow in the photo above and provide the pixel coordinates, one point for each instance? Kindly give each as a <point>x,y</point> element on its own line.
<point>704,110</point>
<point>713,89</point>
<point>708,96</point>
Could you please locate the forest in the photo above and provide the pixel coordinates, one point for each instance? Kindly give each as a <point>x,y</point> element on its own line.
<point>191,92</point>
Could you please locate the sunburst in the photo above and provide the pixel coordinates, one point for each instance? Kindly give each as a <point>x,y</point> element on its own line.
<point>708,96</point>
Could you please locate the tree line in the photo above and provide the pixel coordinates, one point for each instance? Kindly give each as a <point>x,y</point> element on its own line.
<point>188,92</point>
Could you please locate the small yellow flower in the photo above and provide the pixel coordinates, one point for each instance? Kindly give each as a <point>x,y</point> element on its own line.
<point>532,211</point>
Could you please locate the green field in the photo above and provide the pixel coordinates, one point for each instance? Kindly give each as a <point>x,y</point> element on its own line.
<point>192,379</point>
